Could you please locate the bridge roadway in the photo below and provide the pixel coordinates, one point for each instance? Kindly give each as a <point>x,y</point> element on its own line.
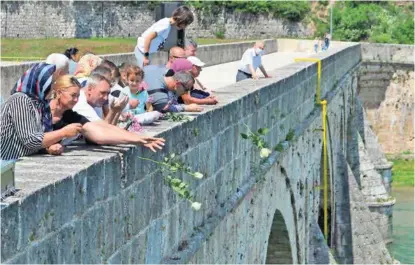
<point>222,75</point>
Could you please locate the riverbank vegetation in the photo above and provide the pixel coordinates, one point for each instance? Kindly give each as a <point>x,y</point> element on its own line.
<point>402,170</point>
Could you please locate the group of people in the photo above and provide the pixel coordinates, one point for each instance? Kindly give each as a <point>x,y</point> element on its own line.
<point>323,44</point>
<point>72,96</point>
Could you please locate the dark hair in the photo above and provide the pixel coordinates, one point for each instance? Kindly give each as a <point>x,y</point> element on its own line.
<point>182,16</point>
<point>70,52</point>
<point>114,69</point>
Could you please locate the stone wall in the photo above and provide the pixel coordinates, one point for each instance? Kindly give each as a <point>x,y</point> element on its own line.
<point>80,19</point>
<point>386,87</point>
<point>104,204</point>
<point>210,54</point>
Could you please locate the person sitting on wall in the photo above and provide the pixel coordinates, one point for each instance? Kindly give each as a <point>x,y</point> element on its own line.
<point>153,39</point>
<point>26,119</point>
<point>165,90</point>
<point>195,96</point>
<point>251,60</point>
<point>66,91</point>
<point>73,55</point>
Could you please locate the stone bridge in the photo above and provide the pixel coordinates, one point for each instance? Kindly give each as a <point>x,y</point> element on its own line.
<point>106,205</point>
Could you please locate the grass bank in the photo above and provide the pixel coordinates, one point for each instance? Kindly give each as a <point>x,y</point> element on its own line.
<point>402,170</point>
<point>35,49</point>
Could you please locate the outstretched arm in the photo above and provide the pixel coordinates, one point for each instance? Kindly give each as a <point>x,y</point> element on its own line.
<point>104,133</point>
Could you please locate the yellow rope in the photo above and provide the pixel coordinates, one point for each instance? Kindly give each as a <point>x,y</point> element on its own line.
<point>323,104</point>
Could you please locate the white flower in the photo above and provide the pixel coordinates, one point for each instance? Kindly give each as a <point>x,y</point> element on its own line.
<point>265,152</point>
<point>196,206</point>
<point>198,175</point>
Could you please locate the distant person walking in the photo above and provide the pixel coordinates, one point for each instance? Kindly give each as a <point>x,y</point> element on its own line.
<point>153,39</point>
<point>327,38</point>
<point>316,45</point>
<point>251,60</point>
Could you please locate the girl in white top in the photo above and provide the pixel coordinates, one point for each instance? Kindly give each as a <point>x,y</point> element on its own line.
<point>153,39</point>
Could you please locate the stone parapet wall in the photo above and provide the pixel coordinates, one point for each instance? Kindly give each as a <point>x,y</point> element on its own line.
<point>210,54</point>
<point>105,205</point>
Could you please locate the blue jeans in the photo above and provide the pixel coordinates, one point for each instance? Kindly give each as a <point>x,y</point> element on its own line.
<point>140,58</point>
<point>242,76</point>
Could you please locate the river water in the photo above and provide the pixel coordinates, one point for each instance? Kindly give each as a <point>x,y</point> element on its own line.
<point>402,247</point>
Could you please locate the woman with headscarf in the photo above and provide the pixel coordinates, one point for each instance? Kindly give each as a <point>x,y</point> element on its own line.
<point>26,120</point>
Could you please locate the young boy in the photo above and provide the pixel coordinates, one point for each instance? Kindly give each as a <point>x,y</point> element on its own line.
<point>153,39</point>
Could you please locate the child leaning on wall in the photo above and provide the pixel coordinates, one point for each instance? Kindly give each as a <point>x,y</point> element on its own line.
<point>153,39</point>
<point>136,91</point>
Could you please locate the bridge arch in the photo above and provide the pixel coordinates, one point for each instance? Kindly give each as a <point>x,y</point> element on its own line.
<point>279,246</point>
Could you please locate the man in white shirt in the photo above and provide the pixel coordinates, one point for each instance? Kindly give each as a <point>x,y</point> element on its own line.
<point>93,96</point>
<point>251,60</point>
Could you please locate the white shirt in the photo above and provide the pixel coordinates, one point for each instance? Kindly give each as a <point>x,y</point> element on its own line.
<point>83,108</point>
<point>250,57</point>
<point>162,28</point>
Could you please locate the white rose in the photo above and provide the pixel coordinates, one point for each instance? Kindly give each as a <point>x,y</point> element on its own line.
<point>196,206</point>
<point>198,175</point>
<point>265,152</point>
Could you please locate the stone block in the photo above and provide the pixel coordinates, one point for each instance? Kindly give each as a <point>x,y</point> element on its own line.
<point>138,249</point>
<point>156,238</point>
<point>44,251</point>
<point>93,234</point>
<point>18,259</point>
<point>69,243</point>
<point>9,231</point>
<point>115,258</point>
<point>36,224</point>
<point>112,176</point>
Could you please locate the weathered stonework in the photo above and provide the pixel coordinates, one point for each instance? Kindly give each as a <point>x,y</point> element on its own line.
<point>386,87</point>
<point>106,205</point>
<point>86,19</point>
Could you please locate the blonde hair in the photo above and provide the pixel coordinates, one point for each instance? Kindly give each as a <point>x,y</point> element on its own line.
<point>86,65</point>
<point>64,82</point>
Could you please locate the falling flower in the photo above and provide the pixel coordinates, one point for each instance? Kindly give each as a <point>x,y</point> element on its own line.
<point>196,206</point>
<point>198,175</point>
<point>265,152</point>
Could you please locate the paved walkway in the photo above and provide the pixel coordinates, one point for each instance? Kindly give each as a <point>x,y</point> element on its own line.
<point>214,77</point>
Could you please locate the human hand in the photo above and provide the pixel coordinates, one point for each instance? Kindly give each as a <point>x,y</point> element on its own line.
<point>255,77</point>
<point>119,104</point>
<point>153,143</point>
<point>72,130</point>
<point>268,76</point>
<point>133,103</point>
<point>146,61</point>
<point>55,149</point>
<point>211,100</point>
<point>193,108</point>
